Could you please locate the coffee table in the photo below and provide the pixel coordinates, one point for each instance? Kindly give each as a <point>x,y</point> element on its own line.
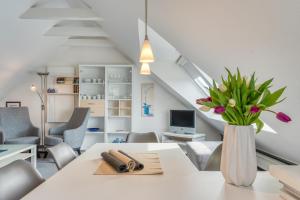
<point>14,152</point>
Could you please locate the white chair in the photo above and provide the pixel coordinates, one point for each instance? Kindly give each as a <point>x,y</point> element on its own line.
<point>17,179</point>
<point>149,137</point>
<point>62,154</point>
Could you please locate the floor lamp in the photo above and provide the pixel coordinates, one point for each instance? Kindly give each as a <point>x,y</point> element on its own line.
<point>42,95</point>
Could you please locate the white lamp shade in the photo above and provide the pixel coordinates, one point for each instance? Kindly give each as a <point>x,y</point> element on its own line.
<point>146,52</point>
<point>145,69</point>
<point>33,88</point>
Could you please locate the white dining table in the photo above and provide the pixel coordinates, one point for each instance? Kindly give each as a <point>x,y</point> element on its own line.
<point>180,180</point>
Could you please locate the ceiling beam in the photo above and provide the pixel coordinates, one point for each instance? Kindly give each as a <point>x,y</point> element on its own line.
<point>89,42</point>
<point>77,31</point>
<point>60,14</point>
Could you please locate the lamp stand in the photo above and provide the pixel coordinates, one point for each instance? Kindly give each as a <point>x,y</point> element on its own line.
<point>43,97</point>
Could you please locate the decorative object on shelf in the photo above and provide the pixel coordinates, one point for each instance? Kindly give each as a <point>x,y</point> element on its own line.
<point>14,104</point>
<point>240,101</point>
<point>60,80</point>
<point>147,99</point>
<point>51,90</point>
<point>94,129</point>
<point>146,55</point>
<point>43,97</point>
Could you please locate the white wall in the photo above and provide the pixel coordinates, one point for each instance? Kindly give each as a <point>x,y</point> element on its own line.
<point>164,101</point>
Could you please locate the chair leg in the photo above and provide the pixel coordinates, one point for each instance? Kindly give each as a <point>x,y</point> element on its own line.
<point>78,151</point>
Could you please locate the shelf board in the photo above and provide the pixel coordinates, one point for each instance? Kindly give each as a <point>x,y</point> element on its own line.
<point>125,108</point>
<point>120,83</point>
<point>66,84</point>
<point>119,132</point>
<point>92,83</point>
<point>119,99</point>
<point>113,108</point>
<point>94,132</point>
<point>62,93</point>
<point>119,116</point>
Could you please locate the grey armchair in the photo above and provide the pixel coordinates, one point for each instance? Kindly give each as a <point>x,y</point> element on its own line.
<point>16,127</point>
<point>72,132</point>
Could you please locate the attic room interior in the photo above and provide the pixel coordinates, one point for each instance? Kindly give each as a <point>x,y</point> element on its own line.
<point>149,99</point>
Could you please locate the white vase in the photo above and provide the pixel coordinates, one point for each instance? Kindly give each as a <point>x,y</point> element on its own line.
<point>238,161</point>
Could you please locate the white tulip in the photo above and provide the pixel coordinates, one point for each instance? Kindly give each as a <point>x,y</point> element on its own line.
<point>223,88</point>
<point>231,102</point>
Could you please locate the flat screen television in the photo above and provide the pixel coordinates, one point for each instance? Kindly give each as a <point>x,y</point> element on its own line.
<point>182,121</point>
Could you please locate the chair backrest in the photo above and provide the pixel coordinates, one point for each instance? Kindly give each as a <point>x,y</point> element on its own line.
<point>214,161</point>
<point>17,179</point>
<point>62,154</point>
<point>149,137</point>
<point>15,122</point>
<point>79,118</point>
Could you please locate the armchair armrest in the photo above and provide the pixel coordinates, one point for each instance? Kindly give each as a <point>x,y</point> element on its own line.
<point>1,137</point>
<point>74,137</point>
<point>57,130</point>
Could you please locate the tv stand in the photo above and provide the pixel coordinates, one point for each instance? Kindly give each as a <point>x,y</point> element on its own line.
<point>181,139</point>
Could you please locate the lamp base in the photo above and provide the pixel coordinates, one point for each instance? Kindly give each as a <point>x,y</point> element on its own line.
<point>42,150</point>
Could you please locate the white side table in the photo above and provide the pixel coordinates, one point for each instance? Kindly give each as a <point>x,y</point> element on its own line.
<point>182,139</point>
<point>14,152</point>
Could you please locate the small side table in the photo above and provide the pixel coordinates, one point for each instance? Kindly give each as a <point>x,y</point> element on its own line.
<point>182,139</point>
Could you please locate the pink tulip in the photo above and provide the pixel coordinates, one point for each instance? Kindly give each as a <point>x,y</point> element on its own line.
<point>219,110</point>
<point>283,117</point>
<point>254,109</point>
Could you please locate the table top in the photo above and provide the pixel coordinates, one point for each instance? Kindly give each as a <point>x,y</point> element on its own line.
<point>12,149</point>
<point>180,181</point>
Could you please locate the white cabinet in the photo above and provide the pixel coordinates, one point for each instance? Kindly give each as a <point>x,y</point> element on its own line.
<point>107,91</point>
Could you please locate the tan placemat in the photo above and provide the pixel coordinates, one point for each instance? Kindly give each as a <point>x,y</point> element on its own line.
<point>150,160</point>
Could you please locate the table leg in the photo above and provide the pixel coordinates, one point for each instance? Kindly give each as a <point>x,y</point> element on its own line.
<point>33,156</point>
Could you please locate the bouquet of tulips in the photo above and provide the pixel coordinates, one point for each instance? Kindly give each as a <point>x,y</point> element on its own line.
<point>241,100</point>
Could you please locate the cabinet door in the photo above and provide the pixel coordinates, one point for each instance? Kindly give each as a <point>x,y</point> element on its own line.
<point>96,106</point>
<point>60,108</point>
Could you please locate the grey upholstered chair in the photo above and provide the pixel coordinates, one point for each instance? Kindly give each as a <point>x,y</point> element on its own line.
<point>16,127</point>
<point>17,179</point>
<point>214,161</point>
<point>149,137</point>
<point>62,154</point>
<point>72,132</point>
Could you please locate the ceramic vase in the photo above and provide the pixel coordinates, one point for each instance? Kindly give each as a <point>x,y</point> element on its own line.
<point>238,161</point>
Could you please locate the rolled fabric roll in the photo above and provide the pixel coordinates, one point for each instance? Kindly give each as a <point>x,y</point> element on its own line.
<point>117,164</point>
<point>128,161</point>
<point>138,165</point>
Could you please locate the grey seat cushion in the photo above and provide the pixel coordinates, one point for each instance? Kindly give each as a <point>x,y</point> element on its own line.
<point>23,140</point>
<point>53,140</point>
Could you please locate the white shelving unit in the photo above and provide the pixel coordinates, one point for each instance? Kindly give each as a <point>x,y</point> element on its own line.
<point>64,97</point>
<point>107,91</point>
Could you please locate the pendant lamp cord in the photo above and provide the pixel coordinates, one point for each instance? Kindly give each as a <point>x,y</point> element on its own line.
<point>146,18</point>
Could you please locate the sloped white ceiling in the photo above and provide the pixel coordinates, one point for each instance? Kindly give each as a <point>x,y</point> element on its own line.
<point>254,35</point>
<point>22,44</point>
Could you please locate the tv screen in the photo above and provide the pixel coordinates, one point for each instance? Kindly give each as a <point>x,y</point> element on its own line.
<point>182,118</point>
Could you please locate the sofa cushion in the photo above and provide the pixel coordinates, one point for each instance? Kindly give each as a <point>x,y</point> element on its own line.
<point>53,140</point>
<point>23,140</point>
